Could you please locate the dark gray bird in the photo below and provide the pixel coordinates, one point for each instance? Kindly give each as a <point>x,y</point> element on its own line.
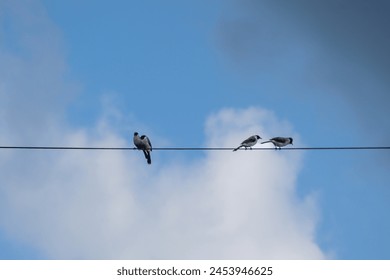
<point>280,142</point>
<point>248,143</point>
<point>143,143</point>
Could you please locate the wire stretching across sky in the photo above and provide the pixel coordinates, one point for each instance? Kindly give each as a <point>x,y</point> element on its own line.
<point>191,148</point>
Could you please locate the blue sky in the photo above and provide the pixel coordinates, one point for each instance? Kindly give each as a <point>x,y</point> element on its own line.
<point>194,73</point>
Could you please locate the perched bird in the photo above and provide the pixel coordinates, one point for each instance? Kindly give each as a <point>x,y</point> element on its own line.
<point>143,143</point>
<point>280,141</point>
<point>248,143</point>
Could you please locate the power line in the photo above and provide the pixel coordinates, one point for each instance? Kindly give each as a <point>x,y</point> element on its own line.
<point>191,148</point>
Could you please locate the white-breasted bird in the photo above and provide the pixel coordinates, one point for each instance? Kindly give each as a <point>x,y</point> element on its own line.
<point>248,143</point>
<point>279,142</point>
<point>143,143</point>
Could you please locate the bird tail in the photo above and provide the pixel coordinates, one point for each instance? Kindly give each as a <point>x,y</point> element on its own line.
<point>266,142</point>
<point>148,158</point>
<point>237,148</point>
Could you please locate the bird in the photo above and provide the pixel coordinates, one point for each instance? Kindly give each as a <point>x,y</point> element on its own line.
<point>248,143</point>
<point>279,141</point>
<point>143,143</point>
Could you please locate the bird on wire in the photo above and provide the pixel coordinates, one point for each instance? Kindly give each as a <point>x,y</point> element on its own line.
<point>143,143</point>
<point>249,142</point>
<point>279,142</point>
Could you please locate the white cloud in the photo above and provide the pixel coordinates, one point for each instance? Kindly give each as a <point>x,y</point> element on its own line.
<point>111,204</point>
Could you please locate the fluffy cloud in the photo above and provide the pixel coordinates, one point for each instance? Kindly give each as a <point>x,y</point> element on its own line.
<point>110,204</point>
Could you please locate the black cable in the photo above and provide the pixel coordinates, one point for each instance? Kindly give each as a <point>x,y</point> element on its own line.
<point>189,148</point>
